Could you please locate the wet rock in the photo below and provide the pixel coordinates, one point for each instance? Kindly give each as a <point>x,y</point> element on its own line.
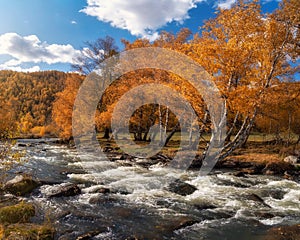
<point>205,206</point>
<point>102,190</point>
<point>240,174</point>
<point>124,163</point>
<point>23,145</point>
<point>146,163</point>
<point>72,171</point>
<point>120,191</point>
<point>20,185</point>
<point>213,215</point>
<point>181,188</point>
<point>176,223</point>
<point>88,236</point>
<point>183,222</point>
<point>256,198</point>
<point>264,215</point>
<point>102,199</point>
<point>273,193</point>
<point>283,233</point>
<point>66,190</point>
<point>126,157</point>
<point>291,159</point>
<point>232,182</point>
<point>277,168</point>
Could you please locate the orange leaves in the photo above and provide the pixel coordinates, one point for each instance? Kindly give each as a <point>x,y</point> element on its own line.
<point>63,106</point>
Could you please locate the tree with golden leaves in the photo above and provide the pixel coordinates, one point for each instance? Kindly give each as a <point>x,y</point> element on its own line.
<point>63,105</point>
<point>247,52</point>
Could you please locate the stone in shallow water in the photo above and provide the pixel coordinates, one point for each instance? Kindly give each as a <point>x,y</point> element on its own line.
<point>67,190</point>
<point>181,188</point>
<point>20,185</point>
<point>254,197</point>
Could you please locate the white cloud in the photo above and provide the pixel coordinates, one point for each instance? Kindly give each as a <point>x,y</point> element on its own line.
<point>140,17</point>
<point>29,49</point>
<point>73,22</point>
<point>226,4</point>
<point>14,65</point>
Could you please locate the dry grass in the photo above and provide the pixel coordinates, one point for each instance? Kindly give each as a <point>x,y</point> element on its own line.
<point>257,158</point>
<point>27,231</point>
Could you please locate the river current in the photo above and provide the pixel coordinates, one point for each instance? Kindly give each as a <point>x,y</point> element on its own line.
<point>140,205</point>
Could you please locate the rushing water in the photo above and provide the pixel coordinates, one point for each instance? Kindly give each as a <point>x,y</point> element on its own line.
<point>141,206</point>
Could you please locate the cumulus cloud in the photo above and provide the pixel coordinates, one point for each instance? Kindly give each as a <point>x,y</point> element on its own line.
<point>73,22</point>
<point>29,49</point>
<point>227,4</point>
<point>140,17</point>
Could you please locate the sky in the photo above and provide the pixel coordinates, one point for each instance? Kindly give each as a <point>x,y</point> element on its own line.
<point>37,35</point>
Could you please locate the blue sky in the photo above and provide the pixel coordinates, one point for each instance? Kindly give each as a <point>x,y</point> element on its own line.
<point>47,34</point>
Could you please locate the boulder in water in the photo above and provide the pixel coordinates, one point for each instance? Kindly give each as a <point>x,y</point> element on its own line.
<point>66,190</point>
<point>20,185</point>
<point>102,190</point>
<point>184,222</point>
<point>181,188</point>
<point>256,198</point>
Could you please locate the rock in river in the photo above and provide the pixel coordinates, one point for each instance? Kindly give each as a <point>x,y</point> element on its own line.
<point>181,188</point>
<point>20,185</point>
<point>65,190</point>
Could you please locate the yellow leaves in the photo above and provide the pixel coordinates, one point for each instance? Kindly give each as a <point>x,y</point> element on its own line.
<point>63,105</point>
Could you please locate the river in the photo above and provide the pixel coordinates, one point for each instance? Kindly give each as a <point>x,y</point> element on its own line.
<point>140,206</point>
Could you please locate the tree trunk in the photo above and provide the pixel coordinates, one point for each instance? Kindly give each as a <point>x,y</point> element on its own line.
<point>230,132</point>
<point>161,138</point>
<point>106,133</point>
<point>168,138</point>
<point>240,138</point>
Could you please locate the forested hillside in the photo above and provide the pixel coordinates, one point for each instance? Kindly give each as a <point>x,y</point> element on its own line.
<point>26,101</point>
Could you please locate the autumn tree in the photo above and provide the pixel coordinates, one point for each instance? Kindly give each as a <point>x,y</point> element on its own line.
<point>63,105</point>
<point>247,52</point>
<point>93,55</point>
<point>28,98</point>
